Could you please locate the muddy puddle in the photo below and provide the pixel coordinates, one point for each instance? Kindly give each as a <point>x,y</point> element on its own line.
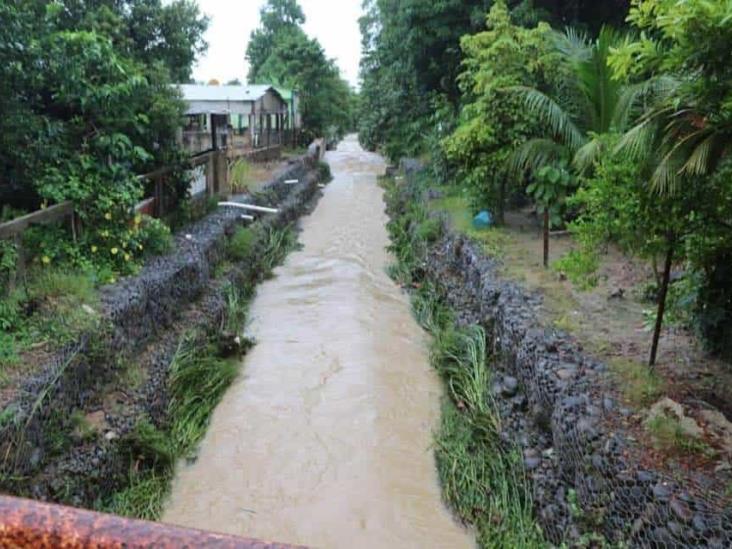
<point>325,438</point>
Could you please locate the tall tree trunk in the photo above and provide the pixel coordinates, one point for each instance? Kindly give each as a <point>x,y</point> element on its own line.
<point>546,238</point>
<point>662,303</point>
<point>501,214</point>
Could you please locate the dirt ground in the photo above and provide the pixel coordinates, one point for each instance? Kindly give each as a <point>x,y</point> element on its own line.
<point>610,322</point>
<point>258,174</point>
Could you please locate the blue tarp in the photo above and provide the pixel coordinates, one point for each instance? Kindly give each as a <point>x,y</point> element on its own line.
<point>483,220</point>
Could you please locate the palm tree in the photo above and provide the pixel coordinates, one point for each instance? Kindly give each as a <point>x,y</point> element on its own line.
<point>588,103</point>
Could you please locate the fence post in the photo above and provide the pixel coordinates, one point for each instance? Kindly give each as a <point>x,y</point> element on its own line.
<point>223,173</point>
<point>19,272</point>
<point>211,175</point>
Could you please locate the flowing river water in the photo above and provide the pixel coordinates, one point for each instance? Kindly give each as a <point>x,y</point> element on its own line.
<point>325,438</point>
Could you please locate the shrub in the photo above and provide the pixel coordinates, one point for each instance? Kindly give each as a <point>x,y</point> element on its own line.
<point>580,266</point>
<point>155,237</point>
<point>241,244</point>
<point>8,260</point>
<point>324,173</point>
<point>430,230</point>
<point>240,176</point>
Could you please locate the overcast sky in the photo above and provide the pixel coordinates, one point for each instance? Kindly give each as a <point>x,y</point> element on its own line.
<point>333,22</point>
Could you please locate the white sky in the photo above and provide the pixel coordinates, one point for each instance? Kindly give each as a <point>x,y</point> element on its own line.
<point>333,22</point>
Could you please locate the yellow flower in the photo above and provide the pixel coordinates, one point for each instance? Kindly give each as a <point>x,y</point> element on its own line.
<point>94,249</point>
<point>127,257</point>
<point>105,234</point>
<point>114,251</point>
<point>108,216</point>
<point>112,280</point>
<point>46,260</point>
<point>124,245</point>
<point>139,246</point>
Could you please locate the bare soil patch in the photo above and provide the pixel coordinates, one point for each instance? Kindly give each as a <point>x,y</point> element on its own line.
<point>610,322</point>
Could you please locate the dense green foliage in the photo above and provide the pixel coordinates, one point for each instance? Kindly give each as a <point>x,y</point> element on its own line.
<point>87,106</point>
<point>281,53</point>
<point>635,126</point>
<point>494,120</point>
<point>412,59</point>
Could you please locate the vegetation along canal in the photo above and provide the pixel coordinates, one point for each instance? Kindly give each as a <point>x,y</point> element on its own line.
<point>326,437</point>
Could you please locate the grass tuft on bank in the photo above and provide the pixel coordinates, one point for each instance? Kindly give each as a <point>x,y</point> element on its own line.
<point>483,480</point>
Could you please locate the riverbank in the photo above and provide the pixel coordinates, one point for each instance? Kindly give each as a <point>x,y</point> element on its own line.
<point>102,424</point>
<point>588,481</point>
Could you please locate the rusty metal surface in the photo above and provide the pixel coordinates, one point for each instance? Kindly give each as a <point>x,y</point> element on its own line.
<point>26,523</point>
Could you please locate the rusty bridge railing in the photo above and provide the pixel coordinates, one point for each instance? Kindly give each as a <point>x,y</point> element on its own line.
<point>25,523</point>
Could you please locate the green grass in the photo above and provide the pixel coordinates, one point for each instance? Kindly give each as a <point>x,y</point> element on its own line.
<point>81,426</point>
<point>482,480</point>
<point>144,498</point>
<point>241,244</point>
<point>668,435</point>
<point>484,484</point>
<point>240,176</point>
<point>639,384</point>
<point>53,308</point>
<point>198,380</point>
<point>458,209</point>
<point>580,267</point>
<point>277,244</point>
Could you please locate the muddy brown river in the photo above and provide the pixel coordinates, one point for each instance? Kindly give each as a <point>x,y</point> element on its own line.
<point>325,438</point>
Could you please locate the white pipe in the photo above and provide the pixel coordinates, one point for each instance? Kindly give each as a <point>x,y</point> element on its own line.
<point>250,207</point>
<point>321,186</point>
<point>292,181</point>
<point>247,217</point>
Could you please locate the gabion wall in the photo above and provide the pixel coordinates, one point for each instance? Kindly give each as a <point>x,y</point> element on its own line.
<point>586,474</point>
<point>144,317</point>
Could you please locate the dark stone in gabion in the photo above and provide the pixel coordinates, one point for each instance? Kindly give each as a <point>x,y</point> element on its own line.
<point>510,386</point>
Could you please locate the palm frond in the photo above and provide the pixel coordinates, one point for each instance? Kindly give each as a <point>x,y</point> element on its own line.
<point>665,179</point>
<point>698,161</point>
<point>550,113</point>
<point>652,91</point>
<point>573,44</point>
<point>638,141</point>
<point>586,155</point>
<point>534,154</point>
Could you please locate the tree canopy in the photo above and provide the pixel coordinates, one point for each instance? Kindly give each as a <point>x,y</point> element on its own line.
<point>281,53</point>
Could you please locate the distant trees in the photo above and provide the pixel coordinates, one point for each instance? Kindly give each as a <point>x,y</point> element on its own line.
<point>281,53</point>
<point>412,59</point>
<point>633,130</point>
<point>411,56</point>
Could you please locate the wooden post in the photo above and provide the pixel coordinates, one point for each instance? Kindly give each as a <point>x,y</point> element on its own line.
<point>223,172</point>
<point>211,175</point>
